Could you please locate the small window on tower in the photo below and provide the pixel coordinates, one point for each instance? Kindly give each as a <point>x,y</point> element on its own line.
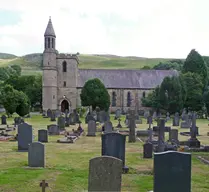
<point>48,42</point>
<point>64,84</point>
<point>64,66</point>
<point>53,96</point>
<point>52,43</point>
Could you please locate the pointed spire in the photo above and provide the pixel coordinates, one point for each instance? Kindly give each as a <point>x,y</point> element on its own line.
<point>49,29</point>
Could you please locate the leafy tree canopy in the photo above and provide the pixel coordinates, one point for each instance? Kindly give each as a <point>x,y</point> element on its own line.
<point>95,94</point>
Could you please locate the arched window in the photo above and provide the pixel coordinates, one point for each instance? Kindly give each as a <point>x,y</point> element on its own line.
<point>48,42</point>
<point>64,66</point>
<point>144,94</point>
<point>52,43</point>
<point>113,99</point>
<point>129,99</point>
<point>45,43</point>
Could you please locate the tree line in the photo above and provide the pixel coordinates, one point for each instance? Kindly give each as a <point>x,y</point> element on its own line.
<point>190,89</point>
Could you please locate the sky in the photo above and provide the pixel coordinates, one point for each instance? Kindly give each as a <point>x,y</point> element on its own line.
<point>144,28</point>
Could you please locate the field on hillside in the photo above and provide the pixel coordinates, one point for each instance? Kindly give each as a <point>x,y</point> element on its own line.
<point>32,63</point>
<point>67,164</point>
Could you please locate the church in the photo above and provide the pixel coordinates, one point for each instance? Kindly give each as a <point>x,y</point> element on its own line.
<point>63,80</point>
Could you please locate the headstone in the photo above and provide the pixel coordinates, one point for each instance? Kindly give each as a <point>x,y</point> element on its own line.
<point>173,135</point>
<point>49,113</point>
<point>17,120</point>
<point>146,114</point>
<point>3,120</point>
<point>117,114</point>
<point>89,117</point>
<point>161,135</point>
<point>108,127</point>
<point>91,128</point>
<point>154,116</point>
<point>53,116</point>
<point>36,155</point>
<point>43,135</point>
<point>53,129</point>
<point>187,122</point>
<point>25,136</point>
<point>114,144</point>
<point>176,119</point>
<point>105,174</point>
<point>132,126</point>
<point>167,116</point>
<point>148,150</point>
<point>172,172</point>
<point>193,141</point>
<point>72,119</point>
<point>61,122</point>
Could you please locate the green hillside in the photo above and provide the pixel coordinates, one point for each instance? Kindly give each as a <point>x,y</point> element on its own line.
<point>32,63</point>
<point>7,56</point>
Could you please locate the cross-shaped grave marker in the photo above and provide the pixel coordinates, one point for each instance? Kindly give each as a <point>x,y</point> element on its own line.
<point>43,185</point>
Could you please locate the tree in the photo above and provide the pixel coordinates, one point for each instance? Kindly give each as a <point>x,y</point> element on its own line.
<point>17,68</point>
<point>23,107</point>
<point>194,63</point>
<point>95,94</point>
<point>194,86</point>
<point>170,94</point>
<point>9,99</point>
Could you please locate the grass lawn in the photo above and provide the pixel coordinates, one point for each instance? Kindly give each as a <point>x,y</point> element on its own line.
<point>67,164</point>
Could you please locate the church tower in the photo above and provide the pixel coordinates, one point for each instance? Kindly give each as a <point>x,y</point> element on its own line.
<point>49,92</point>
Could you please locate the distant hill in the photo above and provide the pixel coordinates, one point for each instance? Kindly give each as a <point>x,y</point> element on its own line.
<point>31,63</point>
<point>7,56</point>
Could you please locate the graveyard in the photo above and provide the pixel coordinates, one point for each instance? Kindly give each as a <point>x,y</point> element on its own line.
<point>67,164</point>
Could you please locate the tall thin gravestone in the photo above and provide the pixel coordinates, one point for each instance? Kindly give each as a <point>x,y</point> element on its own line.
<point>25,136</point>
<point>161,135</point>
<point>105,174</point>
<point>172,172</point>
<point>132,126</point>
<point>91,128</point>
<point>3,120</point>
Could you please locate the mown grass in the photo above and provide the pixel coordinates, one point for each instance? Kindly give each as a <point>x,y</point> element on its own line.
<point>67,164</point>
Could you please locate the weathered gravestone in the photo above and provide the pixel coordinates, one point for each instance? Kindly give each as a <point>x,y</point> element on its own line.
<point>53,129</point>
<point>193,141</point>
<point>187,122</point>
<point>17,120</point>
<point>61,122</point>
<point>25,136</point>
<point>108,127</point>
<point>117,114</point>
<point>105,174</point>
<point>146,114</point>
<point>173,135</point>
<point>147,150</point>
<point>3,120</point>
<point>89,117</point>
<point>114,144</point>
<point>172,172</point>
<point>36,155</point>
<point>91,128</point>
<point>183,114</point>
<point>53,116</point>
<point>161,135</point>
<point>49,113</point>
<point>132,126</point>
<point>176,119</point>
<point>167,116</point>
<point>43,135</point>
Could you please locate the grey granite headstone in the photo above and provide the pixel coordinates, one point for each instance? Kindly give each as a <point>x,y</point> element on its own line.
<point>105,174</point>
<point>53,116</point>
<point>173,135</point>
<point>3,120</point>
<point>161,135</point>
<point>89,117</point>
<point>91,128</point>
<point>147,150</point>
<point>43,135</point>
<point>176,119</point>
<point>132,126</point>
<point>172,172</point>
<point>61,122</point>
<point>49,113</point>
<point>53,129</point>
<point>108,127</point>
<point>117,114</point>
<point>146,114</point>
<point>187,122</point>
<point>114,144</point>
<point>36,155</point>
<point>25,136</point>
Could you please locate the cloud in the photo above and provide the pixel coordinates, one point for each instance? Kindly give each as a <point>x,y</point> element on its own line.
<point>163,28</point>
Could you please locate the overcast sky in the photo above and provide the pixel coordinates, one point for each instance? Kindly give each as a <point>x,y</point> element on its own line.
<point>146,28</point>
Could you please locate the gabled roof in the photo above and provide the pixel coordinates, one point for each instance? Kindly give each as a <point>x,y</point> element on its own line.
<point>49,29</point>
<point>125,79</point>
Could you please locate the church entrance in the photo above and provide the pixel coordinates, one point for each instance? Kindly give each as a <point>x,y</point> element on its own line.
<point>64,106</point>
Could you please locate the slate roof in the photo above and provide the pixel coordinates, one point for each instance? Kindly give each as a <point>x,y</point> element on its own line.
<point>49,29</point>
<point>124,79</point>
